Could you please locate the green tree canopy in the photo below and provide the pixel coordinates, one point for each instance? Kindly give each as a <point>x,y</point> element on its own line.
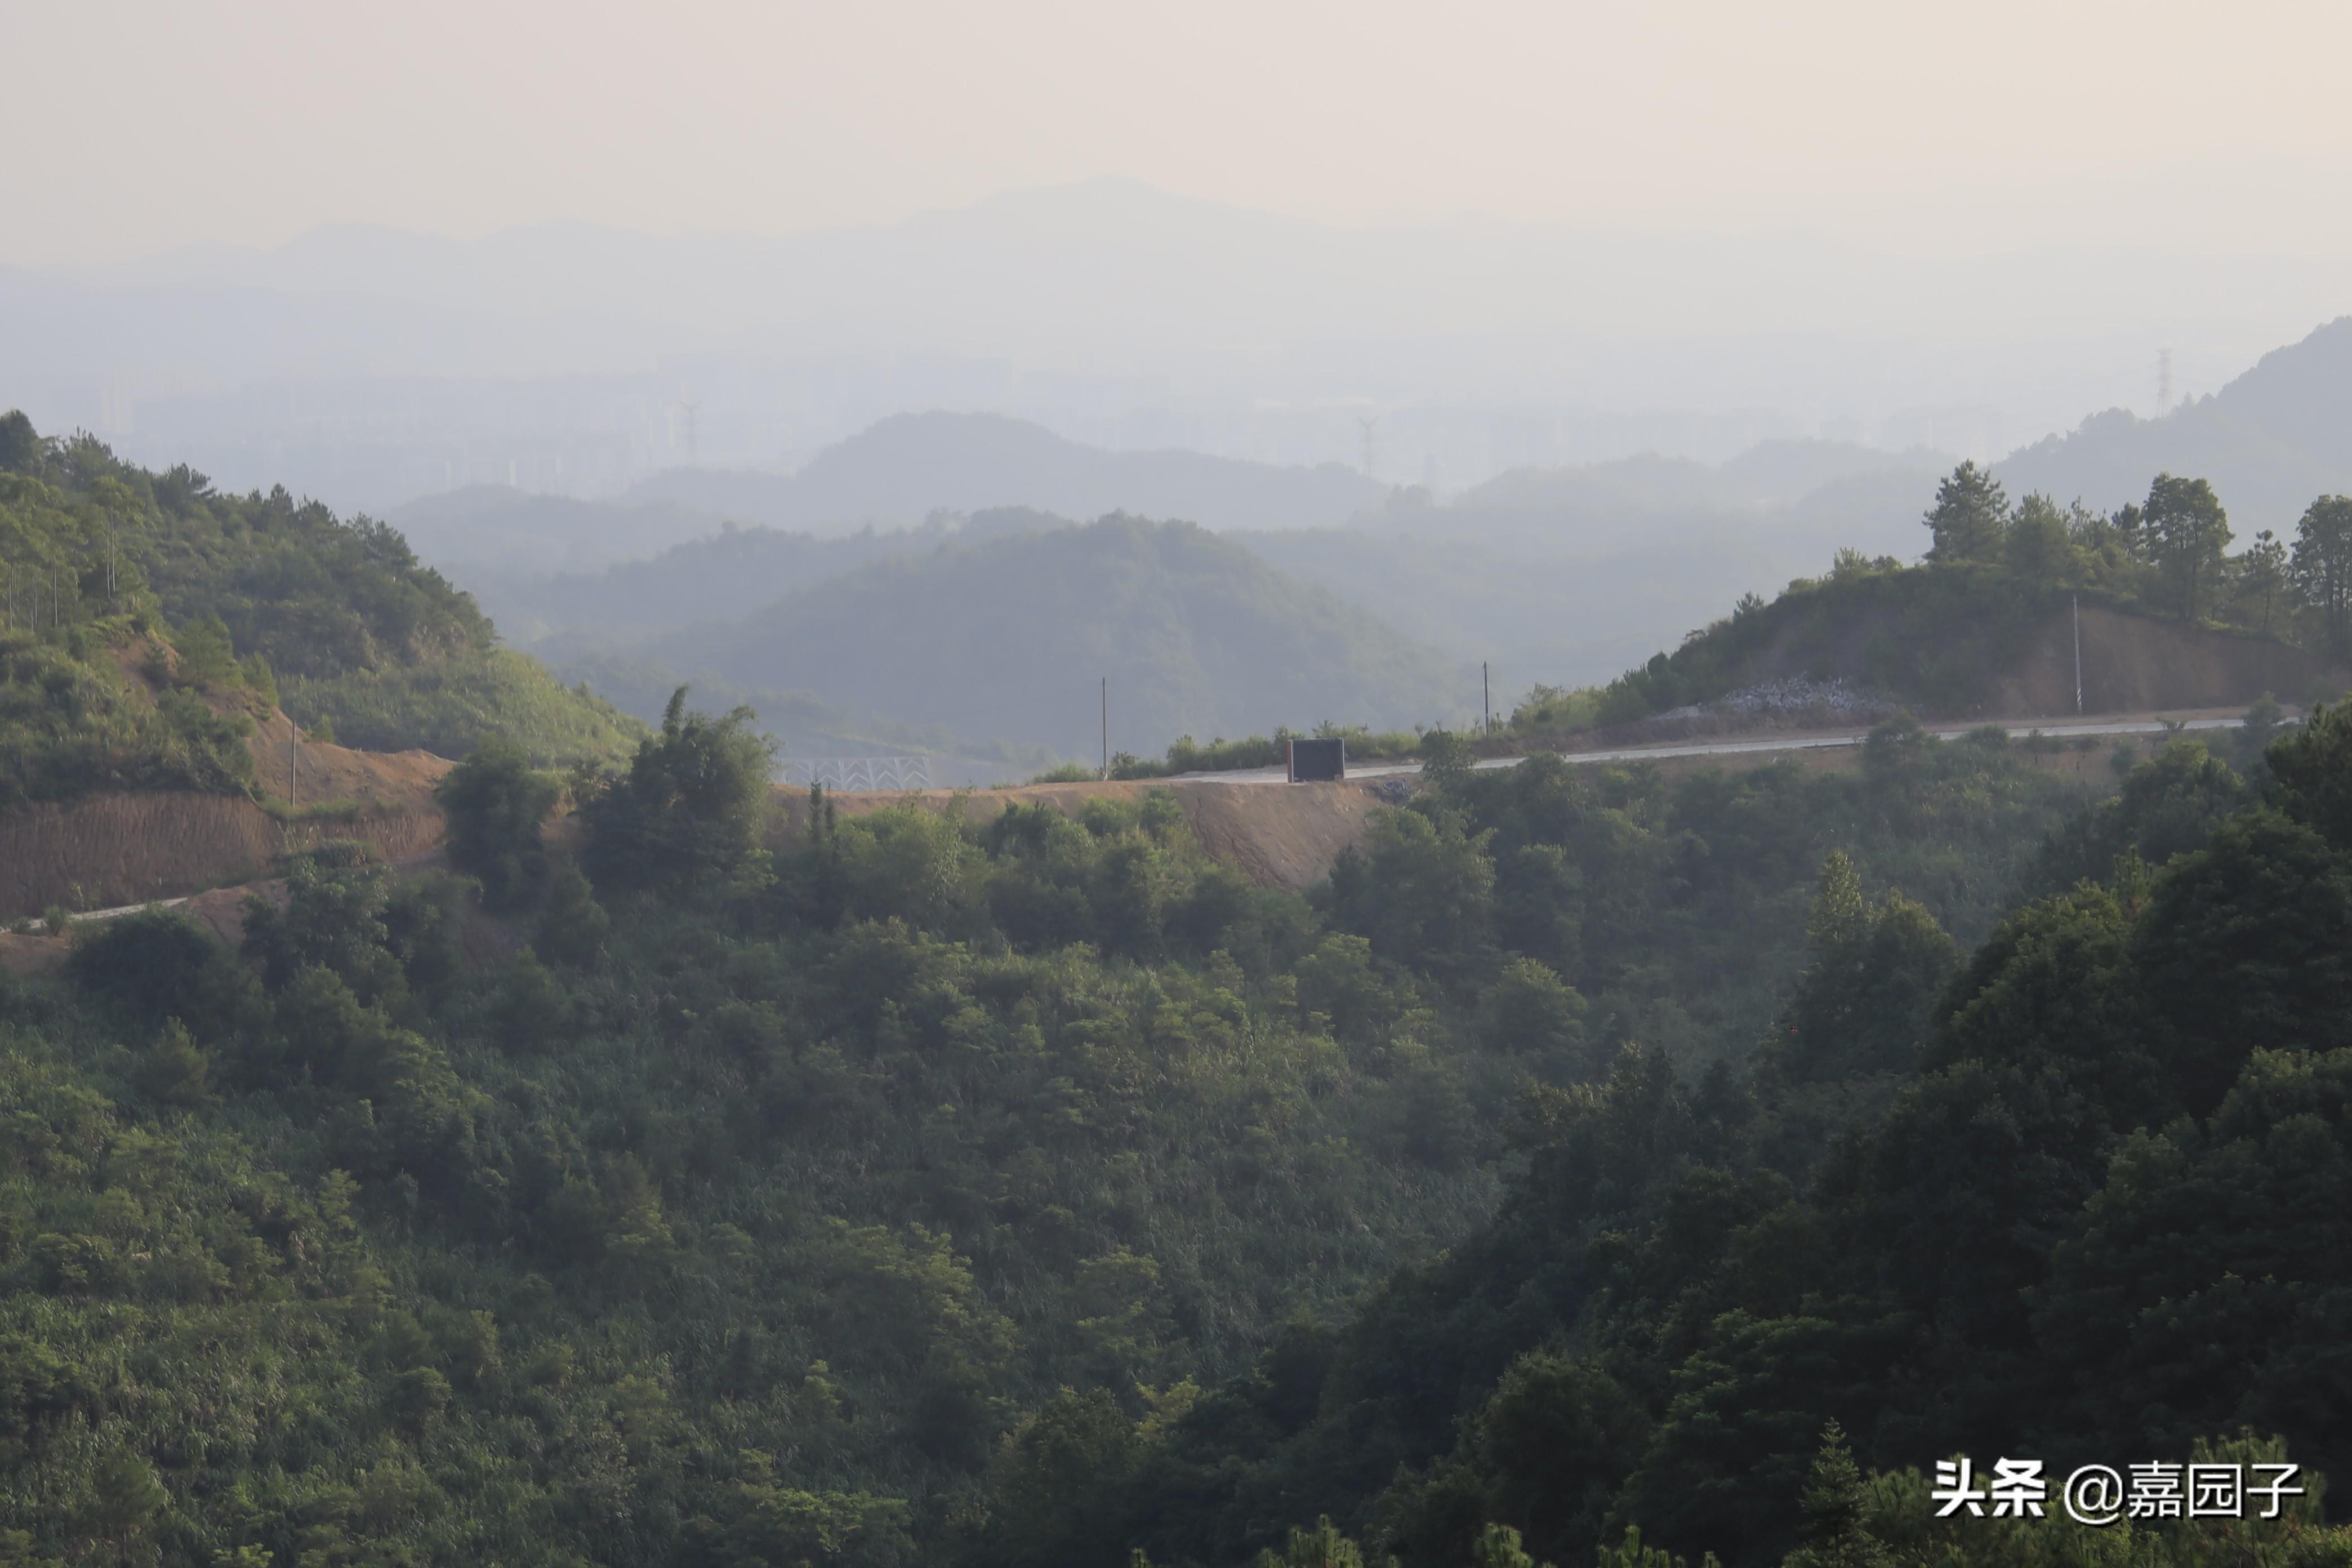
<point>2039,544</point>
<point>1969,517</point>
<point>688,812</point>
<point>20,444</point>
<point>2266,580</point>
<point>495,803</point>
<point>2322,565</point>
<point>2186,531</point>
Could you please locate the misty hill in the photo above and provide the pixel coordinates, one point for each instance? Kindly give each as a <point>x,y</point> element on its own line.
<point>1562,575</point>
<point>1769,473</point>
<point>1008,639</point>
<point>725,576</point>
<point>2269,441</point>
<point>1567,575</point>
<point>501,529</point>
<point>890,477</point>
<point>905,468</point>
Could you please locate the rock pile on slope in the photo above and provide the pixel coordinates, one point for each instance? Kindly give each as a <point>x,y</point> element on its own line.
<point>1793,694</point>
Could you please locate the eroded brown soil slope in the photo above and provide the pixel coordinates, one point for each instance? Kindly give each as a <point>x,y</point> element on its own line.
<point>113,849</point>
<point>2132,664</point>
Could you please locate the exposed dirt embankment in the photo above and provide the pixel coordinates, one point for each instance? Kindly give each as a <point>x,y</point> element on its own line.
<point>2131,664</point>
<point>115,849</point>
<point>324,772</point>
<point>1277,835</point>
<point>112,849</point>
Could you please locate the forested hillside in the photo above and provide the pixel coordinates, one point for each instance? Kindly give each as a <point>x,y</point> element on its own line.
<point>1008,639</point>
<point>1946,636</point>
<point>729,574</point>
<point>2077,1194</point>
<point>492,532</point>
<point>1596,1149</point>
<point>1986,626</point>
<point>754,1207</point>
<point>147,616</point>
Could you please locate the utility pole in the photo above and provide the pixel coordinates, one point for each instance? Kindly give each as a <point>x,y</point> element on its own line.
<point>1487,696</point>
<point>293,765</point>
<point>2078,653</point>
<point>1106,732</point>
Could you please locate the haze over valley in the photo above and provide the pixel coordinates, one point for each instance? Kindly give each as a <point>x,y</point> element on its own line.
<point>1560,575</point>
<point>371,366</point>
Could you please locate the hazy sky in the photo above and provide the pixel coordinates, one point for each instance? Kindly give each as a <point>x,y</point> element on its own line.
<point>139,124</point>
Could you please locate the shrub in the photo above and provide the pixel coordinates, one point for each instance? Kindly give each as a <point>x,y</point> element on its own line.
<point>161,964</point>
<point>496,804</point>
<point>689,813</point>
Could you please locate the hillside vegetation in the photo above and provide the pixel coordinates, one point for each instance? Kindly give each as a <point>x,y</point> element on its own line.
<point>763,1206</point>
<point>724,576</point>
<point>1009,639</point>
<point>449,706</point>
<point>1983,627</point>
<point>1944,635</point>
<point>147,617</point>
<point>1596,1156</point>
<point>2076,1195</point>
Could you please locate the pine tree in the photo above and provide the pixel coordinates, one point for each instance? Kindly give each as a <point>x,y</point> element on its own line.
<point>1835,1536</point>
<point>2322,565</point>
<point>2186,531</point>
<point>1497,1546</point>
<point>1970,514</point>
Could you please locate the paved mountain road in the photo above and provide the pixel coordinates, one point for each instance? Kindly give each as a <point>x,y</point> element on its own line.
<point>1799,742</point>
<point>1736,748</point>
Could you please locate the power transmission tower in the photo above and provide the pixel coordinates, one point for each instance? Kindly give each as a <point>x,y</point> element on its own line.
<point>1372,442</point>
<point>2163,381</point>
<point>693,433</point>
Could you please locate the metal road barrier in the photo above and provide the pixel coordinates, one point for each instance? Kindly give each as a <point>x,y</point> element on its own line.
<point>859,772</point>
